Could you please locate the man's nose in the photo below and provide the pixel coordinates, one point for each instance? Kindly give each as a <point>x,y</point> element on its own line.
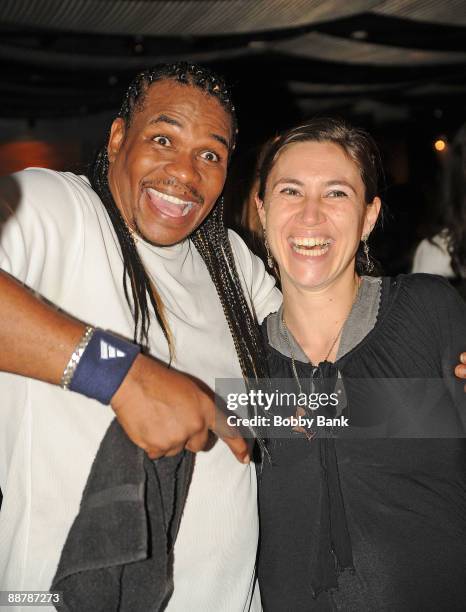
<point>311,212</point>
<point>183,168</point>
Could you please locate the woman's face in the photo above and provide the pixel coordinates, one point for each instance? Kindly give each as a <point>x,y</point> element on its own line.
<point>314,213</point>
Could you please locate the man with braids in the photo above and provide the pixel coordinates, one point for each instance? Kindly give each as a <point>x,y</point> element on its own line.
<point>113,251</point>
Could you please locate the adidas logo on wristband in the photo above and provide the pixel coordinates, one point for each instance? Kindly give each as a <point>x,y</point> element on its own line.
<point>107,351</point>
<point>102,365</point>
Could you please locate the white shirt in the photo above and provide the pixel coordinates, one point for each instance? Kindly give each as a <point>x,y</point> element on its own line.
<point>433,257</point>
<point>59,241</point>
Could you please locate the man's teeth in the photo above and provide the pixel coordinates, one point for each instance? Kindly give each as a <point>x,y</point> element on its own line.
<point>173,200</point>
<point>305,246</point>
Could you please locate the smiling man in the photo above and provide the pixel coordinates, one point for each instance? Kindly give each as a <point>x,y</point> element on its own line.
<point>114,251</point>
<point>168,167</point>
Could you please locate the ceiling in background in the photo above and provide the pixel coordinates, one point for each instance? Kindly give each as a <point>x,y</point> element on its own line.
<point>67,57</point>
<point>213,17</point>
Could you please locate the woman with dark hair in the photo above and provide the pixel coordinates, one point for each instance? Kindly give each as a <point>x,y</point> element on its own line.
<point>444,250</point>
<point>385,498</point>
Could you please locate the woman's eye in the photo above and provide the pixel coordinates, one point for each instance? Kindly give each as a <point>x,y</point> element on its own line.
<point>162,140</point>
<point>210,156</point>
<point>336,193</point>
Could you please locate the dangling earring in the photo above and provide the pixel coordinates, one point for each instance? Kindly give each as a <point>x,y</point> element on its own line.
<point>369,264</point>
<point>269,254</point>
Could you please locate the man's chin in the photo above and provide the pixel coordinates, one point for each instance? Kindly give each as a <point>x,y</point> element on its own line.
<point>165,237</point>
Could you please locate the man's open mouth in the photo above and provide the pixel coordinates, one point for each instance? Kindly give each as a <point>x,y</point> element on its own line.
<point>169,205</point>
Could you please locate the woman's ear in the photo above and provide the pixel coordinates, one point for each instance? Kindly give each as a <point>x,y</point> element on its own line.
<point>372,213</point>
<point>260,209</point>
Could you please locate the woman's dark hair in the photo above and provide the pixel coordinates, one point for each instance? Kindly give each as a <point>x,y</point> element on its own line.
<point>355,142</point>
<point>210,239</point>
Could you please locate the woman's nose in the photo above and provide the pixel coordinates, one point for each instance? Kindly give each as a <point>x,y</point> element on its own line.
<point>312,213</point>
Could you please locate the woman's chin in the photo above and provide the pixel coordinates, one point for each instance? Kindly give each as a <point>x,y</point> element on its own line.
<point>308,280</point>
<point>314,277</point>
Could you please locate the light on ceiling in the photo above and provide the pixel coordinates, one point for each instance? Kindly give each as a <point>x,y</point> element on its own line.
<point>440,145</point>
<point>359,34</point>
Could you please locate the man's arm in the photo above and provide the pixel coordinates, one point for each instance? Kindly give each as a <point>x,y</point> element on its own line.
<point>37,339</point>
<point>161,410</point>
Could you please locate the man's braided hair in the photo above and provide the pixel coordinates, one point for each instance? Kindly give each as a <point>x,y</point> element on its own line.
<point>210,238</point>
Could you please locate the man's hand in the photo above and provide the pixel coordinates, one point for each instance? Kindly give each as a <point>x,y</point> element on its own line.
<point>460,370</point>
<point>164,411</point>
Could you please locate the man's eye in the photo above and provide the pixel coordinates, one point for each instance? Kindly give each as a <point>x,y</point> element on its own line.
<point>162,140</point>
<point>290,191</point>
<point>336,193</point>
<point>210,156</point>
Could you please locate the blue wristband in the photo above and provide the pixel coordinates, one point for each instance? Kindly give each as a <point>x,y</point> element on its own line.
<point>103,366</point>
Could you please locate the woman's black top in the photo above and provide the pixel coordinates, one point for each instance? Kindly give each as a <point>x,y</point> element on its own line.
<point>391,510</point>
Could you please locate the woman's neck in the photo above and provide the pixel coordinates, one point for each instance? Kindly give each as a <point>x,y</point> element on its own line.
<point>316,317</point>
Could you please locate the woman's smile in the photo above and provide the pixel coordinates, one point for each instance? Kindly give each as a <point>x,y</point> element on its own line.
<point>310,247</point>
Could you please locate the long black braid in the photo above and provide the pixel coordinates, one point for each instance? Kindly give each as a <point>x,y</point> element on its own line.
<point>210,239</point>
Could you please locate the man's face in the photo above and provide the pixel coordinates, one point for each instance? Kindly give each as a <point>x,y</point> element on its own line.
<point>169,166</point>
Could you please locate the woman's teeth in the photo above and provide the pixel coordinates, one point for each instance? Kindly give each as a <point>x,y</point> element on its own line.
<point>310,247</point>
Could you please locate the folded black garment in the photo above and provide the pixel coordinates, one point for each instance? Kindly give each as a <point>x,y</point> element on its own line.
<point>118,555</point>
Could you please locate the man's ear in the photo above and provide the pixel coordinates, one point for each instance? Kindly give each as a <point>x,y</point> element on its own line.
<point>117,135</point>
<point>260,209</point>
<point>372,213</point>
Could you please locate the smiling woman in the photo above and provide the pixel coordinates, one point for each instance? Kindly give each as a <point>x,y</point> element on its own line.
<point>369,505</point>
<point>316,213</point>
<point>327,168</point>
<point>317,200</point>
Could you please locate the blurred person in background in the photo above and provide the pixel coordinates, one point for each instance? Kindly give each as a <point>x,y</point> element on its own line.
<point>443,251</point>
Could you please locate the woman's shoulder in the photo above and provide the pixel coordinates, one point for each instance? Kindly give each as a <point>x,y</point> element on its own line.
<point>421,282</point>
<point>429,293</point>
<point>277,362</point>
<point>424,284</point>
<point>265,330</point>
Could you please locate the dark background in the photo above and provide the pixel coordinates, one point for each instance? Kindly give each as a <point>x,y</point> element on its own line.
<point>396,67</point>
